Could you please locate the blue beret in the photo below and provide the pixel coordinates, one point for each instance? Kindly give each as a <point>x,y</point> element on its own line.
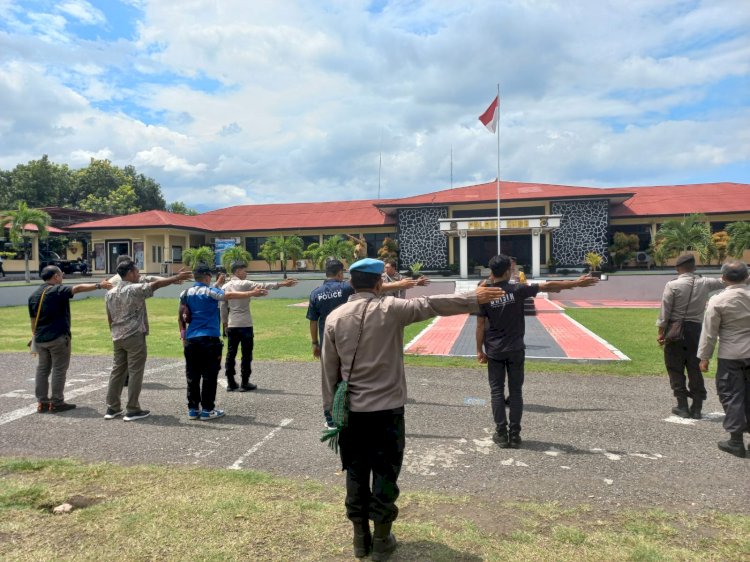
<point>368,265</point>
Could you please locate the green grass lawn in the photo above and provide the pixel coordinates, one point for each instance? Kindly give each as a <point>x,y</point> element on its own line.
<point>282,334</point>
<point>169,513</point>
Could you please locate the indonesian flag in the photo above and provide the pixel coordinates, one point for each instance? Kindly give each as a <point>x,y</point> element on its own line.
<point>490,117</point>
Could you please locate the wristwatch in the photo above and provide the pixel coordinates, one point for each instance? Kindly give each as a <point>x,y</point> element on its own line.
<point>98,285</point>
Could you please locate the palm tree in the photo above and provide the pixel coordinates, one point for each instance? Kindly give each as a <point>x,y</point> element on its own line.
<point>690,233</point>
<point>739,238</point>
<point>17,221</point>
<point>236,253</point>
<point>193,256</point>
<point>282,248</point>
<point>334,247</point>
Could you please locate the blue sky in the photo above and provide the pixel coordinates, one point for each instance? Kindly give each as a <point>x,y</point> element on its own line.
<point>238,102</point>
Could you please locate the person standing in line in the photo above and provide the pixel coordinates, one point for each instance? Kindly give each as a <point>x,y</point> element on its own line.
<point>2,263</point>
<point>728,319</point>
<point>201,339</point>
<point>397,284</point>
<point>49,310</point>
<point>501,326</point>
<point>128,322</point>
<point>237,322</point>
<point>684,299</point>
<point>363,344</point>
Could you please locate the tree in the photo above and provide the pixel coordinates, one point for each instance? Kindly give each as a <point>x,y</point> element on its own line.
<point>739,238</point>
<point>389,249</point>
<point>235,253</point>
<point>147,191</point>
<point>624,248</point>
<point>16,221</point>
<point>41,183</point>
<point>283,249</point>
<point>334,247</point>
<point>180,208</point>
<point>690,233</point>
<point>99,178</point>
<point>720,242</point>
<point>122,201</point>
<point>193,256</point>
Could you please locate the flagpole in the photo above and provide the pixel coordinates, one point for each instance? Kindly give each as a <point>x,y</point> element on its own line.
<point>498,168</point>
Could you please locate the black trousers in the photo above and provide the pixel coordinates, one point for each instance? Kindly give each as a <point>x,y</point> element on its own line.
<point>682,356</point>
<point>373,446</point>
<point>239,339</point>
<point>733,388</point>
<point>509,364</point>
<point>202,363</point>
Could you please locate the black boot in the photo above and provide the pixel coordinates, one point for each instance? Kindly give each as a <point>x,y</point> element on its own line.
<point>231,384</point>
<point>362,538</point>
<point>735,446</point>
<point>681,409</point>
<point>514,440</point>
<point>501,438</point>
<point>383,542</point>
<point>695,408</point>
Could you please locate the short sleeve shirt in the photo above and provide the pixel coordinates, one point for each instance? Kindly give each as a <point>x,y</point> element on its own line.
<point>54,318</point>
<point>505,324</point>
<point>203,302</point>
<point>325,299</point>
<point>126,305</point>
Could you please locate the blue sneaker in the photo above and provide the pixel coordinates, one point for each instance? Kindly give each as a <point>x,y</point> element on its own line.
<point>194,414</point>
<point>211,414</point>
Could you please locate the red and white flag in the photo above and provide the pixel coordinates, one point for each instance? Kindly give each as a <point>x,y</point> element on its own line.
<point>491,117</point>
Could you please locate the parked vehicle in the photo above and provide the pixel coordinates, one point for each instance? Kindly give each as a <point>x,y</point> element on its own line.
<point>52,258</point>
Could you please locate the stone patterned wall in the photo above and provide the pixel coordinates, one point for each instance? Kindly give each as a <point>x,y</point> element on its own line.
<point>583,229</point>
<point>420,239</point>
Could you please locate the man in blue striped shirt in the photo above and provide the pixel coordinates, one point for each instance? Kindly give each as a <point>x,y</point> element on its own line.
<point>199,311</point>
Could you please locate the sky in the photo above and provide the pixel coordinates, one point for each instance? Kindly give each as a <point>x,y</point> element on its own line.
<point>228,102</point>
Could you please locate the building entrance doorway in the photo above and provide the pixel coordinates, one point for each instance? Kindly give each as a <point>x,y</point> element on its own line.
<point>481,248</point>
<point>115,249</point>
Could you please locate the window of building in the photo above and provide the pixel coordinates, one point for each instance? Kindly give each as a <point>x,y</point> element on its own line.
<point>177,254</point>
<point>307,240</point>
<point>375,241</point>
<point>254,244</point>
<point>642,230</point>
<point>510,212</point>
<point>156,254</point>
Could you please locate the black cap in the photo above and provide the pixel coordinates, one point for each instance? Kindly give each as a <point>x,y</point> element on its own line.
<point>201,269</point>
<point>238,264</point>
<point>685,259</point>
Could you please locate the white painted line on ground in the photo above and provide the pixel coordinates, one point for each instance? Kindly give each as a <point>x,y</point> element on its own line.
<point>238,463</point>
<point>690,421</point>
<point>14,415</point>
<point>610,456</point>
<point>17,394</point>
<point>601,340</point>
<point>415,339</point>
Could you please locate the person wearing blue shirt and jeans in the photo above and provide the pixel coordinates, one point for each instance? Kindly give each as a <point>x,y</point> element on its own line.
<point>199,311</point>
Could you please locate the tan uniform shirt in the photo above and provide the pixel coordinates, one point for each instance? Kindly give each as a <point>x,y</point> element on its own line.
<point>116,279</point>
<point>674,301</point>
<point>378,381</point>
<point>400,293</point>
<point>235,313</point>
<point>728,318</point>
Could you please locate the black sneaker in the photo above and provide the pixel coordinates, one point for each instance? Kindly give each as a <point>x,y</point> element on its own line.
<point>248,386</point>
<point>501,438</point>
<point>132,416</point>
<point>514,441</point>
<point>60,407</point>
<point>112,413</point>
<point>232,388</point>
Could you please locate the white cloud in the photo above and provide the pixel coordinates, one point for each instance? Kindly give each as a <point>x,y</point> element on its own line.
<point>160,158</point>
<point>82,11</point>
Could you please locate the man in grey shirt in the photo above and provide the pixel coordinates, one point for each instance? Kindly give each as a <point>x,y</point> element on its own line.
<point>728,319</point>
<point>128,322</point>
<point>238,324</point>
<point>684,299</point>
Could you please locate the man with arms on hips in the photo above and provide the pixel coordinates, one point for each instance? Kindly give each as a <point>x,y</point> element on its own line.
<point>201,338</point>
<point>372,444</point>
<point>728,319</point>
<point>128,322</point>
<point>238,324</point>
<point>50,326</point>
<point>685,299</point>
<point>501,326</point>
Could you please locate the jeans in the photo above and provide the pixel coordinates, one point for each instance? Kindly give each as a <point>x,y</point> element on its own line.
<point>373,445</point>
<point>202,362</point>
<point>129,363</point>
<point>512,365</point>
<point>682,356</point>
<point>54,357</point>
<point>733,388</point>
<point>239,338</point>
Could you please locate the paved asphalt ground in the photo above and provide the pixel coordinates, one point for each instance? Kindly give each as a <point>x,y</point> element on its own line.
<point>603,441</point>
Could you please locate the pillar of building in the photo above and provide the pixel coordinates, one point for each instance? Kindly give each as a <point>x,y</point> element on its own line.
<point>535,252</point>
<point>463,246</point>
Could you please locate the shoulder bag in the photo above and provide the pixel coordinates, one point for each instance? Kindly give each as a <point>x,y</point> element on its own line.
<point>32,342</point>
<point>340,407</point>
<point>676,327</point>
